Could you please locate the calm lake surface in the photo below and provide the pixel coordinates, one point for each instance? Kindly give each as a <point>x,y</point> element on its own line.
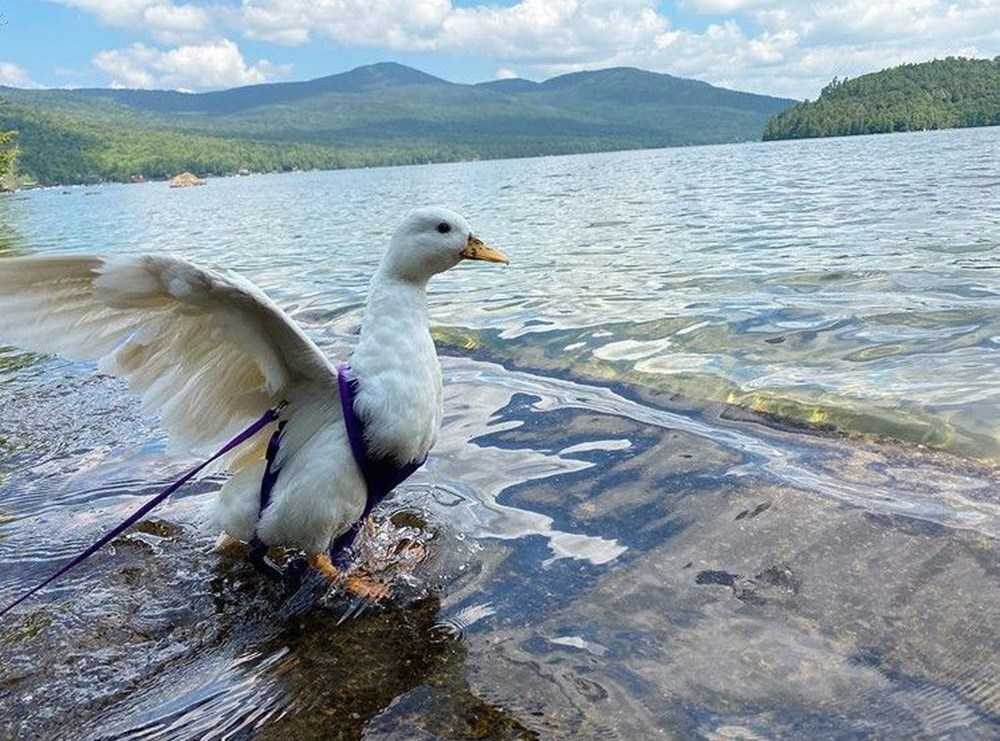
<point>720,460</point>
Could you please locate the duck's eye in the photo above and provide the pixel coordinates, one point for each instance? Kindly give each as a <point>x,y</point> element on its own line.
<point>444,227</point>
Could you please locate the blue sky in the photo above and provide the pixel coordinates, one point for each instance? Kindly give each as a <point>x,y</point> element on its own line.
<point>777,47</point>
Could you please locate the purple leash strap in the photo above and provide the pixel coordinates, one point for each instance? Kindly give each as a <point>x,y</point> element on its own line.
<point>269,416</point>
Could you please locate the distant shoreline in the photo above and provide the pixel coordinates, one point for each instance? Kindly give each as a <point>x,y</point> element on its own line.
<point>233,175</point>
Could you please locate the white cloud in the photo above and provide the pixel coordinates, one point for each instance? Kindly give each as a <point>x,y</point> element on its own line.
<point>393,24</point>
<point>725,7</point>
<point>129,68</point>
<point>13,76</point>
<point>177,19</point>
<point>162,19</point>
<point>586,32</point>
<point>214,64</point>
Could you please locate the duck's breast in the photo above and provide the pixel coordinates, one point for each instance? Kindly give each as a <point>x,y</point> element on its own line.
<point>399,394</point>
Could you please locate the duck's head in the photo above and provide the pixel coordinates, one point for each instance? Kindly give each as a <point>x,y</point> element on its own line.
<point>431,240</point>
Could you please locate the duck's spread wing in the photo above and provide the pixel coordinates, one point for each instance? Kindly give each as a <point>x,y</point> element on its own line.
<point>209,351</point>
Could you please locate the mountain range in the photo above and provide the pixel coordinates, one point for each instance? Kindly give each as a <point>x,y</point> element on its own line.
<point>374,115</point>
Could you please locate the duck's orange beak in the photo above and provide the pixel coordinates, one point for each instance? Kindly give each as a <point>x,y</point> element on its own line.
<point>477,249</point>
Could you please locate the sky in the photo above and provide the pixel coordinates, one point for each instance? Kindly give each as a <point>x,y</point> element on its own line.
<point>775,47</point>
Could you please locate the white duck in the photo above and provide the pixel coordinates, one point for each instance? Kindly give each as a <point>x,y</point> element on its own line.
<point>211,353</point>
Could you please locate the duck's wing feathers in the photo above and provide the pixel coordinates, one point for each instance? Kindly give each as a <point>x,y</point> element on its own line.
<point>209,351</point>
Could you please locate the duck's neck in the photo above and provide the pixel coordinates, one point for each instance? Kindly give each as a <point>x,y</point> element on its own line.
<point>399,378</point>
<point>390,298</point>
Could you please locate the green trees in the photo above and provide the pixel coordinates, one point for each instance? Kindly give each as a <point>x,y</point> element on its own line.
<point>8,153</point>
<point>946,93</point>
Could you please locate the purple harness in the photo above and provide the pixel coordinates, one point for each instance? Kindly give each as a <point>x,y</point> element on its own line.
<point>381,475</point>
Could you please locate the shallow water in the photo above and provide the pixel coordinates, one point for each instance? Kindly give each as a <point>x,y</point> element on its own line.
<point>719,459</point>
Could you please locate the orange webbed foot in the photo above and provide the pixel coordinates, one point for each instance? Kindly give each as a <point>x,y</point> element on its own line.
<point>361,586</point>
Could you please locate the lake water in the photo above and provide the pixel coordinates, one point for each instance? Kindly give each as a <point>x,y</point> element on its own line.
<point>720,460</point>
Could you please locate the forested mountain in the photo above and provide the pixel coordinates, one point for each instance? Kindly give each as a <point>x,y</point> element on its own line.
<point>375,115</point>
<point>943,94</point>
